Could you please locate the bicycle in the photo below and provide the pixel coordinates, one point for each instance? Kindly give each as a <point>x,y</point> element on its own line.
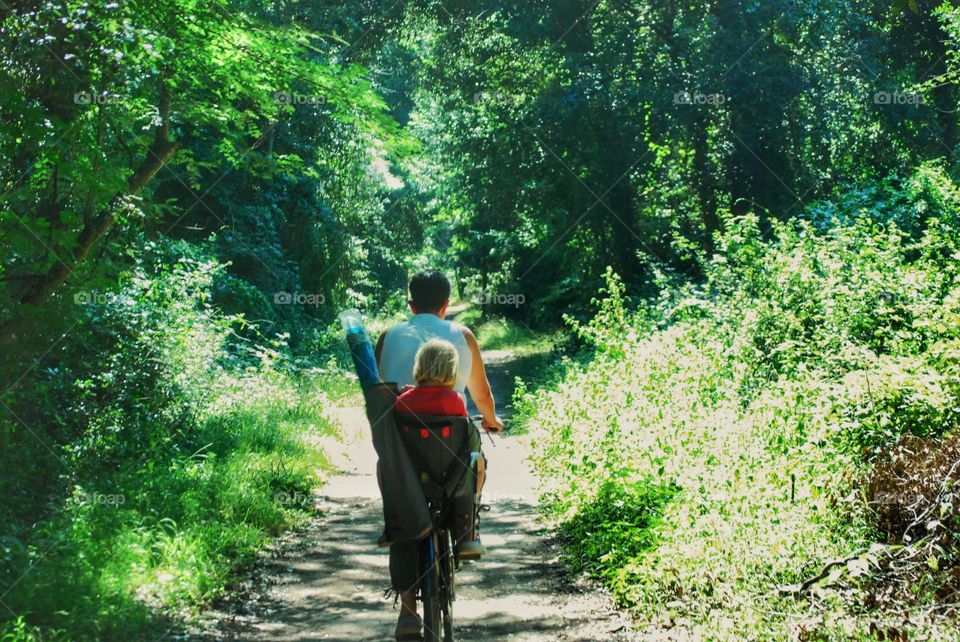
<point>442,454</point>
<point>438,566</point>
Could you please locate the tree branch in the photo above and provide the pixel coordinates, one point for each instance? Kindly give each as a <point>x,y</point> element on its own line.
<point>42,285</point>
<point>157,156</point>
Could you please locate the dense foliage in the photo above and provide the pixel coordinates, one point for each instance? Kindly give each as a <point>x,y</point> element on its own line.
<point>165,461</point>
<point>190,190</point>
<point>742,417</point>
<point>186,189</point>
<point>181,119</point>
<point>576,135</point>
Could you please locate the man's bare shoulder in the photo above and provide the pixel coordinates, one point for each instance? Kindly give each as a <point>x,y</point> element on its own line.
<point>467,332</point>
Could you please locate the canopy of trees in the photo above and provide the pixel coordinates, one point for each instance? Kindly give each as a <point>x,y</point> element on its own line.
<point>524,145</point>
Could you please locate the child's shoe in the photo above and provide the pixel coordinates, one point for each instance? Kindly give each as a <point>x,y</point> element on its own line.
<point>466,529</point>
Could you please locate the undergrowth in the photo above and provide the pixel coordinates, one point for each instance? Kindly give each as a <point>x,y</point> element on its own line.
<point>710,462</point>
<point>133,493</point>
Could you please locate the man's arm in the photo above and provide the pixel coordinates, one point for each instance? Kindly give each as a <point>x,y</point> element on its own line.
<point>479,386</point>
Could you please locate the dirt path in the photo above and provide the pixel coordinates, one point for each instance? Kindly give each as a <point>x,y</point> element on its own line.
<point>328,582</point>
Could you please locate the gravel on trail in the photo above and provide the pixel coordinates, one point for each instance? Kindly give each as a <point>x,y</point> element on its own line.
<point>328,581</point>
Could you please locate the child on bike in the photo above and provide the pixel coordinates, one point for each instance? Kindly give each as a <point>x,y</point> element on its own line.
<point>435,371</point>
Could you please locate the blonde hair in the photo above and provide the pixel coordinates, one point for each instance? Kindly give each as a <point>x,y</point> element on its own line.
<point>437,360</point>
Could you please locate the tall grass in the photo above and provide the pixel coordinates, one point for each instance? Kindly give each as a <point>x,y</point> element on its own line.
<point>175,458</point>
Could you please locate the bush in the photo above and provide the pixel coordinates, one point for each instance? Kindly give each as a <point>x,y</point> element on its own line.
<point>763,396</point>
<point>915,500</point>
<point>162,451</point>
<point>616,526</point>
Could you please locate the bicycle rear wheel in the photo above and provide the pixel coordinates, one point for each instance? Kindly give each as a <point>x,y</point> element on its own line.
<point>433,621</point>
<point>447,584</point>
<point>430,592</point>
<point>438,589</point>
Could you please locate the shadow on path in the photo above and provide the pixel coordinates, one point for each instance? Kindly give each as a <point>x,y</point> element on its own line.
<point>327,582</point>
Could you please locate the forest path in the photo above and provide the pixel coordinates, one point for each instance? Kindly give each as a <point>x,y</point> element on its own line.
<point>327,582</point>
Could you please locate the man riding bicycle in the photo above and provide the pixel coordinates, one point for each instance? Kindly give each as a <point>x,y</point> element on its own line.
<point>396,353</point>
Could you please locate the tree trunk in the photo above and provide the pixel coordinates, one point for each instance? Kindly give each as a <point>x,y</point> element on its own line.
<point>705,185</point>
<point>40,286</point>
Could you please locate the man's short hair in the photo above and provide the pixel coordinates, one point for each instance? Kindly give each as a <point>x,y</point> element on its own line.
<point>429,290</point>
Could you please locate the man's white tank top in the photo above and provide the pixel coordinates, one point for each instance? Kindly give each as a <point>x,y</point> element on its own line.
<point>402,341</point>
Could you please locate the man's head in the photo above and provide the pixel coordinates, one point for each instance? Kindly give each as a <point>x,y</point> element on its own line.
<point>429,293</point>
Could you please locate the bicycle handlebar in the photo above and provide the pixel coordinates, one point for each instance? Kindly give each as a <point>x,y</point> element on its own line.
<point>477,420</point>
